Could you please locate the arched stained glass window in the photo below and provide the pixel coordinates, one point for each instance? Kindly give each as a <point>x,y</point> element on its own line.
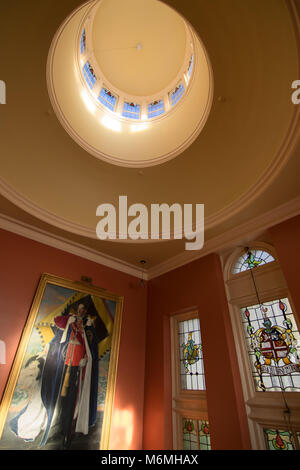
<point>156,109</point>
<point>107,99</point>
<point>191,357</point>
<point>82,42</point>
<point>252,259</point>
<point>177,94</point>
<point>131,110</point>
<point>273,344</point>
<point>89,75</point>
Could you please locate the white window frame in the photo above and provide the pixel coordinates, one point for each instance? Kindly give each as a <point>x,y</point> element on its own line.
<point>264,409</point>
<point>190,404</point>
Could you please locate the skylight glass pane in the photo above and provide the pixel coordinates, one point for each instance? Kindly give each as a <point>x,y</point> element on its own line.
<point>191,357</point>
<point>156,109</point>
<point>107,99</point>
<point>191,66</point>
<point>131,110</point>
<point>273,343</point>
<point>177,94</point>
<point>251,260</point>
<point>89,75</point>
<point>82,41</point>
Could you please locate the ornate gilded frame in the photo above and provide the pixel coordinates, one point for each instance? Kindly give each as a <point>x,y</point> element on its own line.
<point>83,288</point>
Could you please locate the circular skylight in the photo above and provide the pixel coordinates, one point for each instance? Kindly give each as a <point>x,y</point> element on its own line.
<point>130,81</point>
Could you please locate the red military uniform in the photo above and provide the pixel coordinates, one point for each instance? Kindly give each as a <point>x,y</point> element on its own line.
<point>76,347</point>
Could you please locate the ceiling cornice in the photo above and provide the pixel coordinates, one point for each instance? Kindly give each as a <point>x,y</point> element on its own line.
<point>228,239</point>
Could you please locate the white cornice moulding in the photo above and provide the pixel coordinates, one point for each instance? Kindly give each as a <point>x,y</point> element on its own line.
<point>228,239</point>
<point>60,243</point>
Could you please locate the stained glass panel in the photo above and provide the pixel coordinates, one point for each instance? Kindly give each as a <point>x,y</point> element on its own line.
<point>277,439</point>
<point>131,110</point>
<point>89,75</point>
<point>190,438</point>
<point>204,435</point>
<point>196,435</point>
<point>191,357</point>
<point>251,260</point>
<point>82,41</point>
<point>177,94</point>
<point>156,109</point>
<point>107,99</point>
<point>273,341</point>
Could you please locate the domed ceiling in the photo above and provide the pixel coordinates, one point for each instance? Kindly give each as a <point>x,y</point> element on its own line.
<point>243,163</point>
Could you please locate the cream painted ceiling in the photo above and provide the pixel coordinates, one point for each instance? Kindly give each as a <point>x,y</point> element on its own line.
<point>244,162</point>
<point>162,38</point>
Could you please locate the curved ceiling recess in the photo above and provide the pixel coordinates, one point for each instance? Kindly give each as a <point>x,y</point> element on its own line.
<point>132,89</point>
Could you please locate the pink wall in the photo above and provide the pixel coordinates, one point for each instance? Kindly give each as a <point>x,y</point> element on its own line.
<point>197,285</point>
<point>286,239</point>
<point>22,263</point>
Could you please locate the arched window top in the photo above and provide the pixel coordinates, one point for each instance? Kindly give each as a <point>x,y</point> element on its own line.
<point>252,259</point>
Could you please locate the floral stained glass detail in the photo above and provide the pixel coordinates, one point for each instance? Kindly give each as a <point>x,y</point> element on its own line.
<point>82,42</point>
<point>278,439</point>
<point>89,75</point>
<point>273,341</point>
<point>191,357</point>
<point>131,110</point>
<point>196,434</point>
<point>251,260</point>
<point>107,98</point>
<point>177,94</point>
<point>156,109</point>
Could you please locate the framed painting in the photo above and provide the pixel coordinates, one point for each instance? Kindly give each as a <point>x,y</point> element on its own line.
<point>60,390</point>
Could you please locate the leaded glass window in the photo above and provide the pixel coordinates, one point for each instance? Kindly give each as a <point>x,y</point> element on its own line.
<point>273,341</point>
<point>277,439</point>
<point>177,94</point>
<point>82,41</point>
<point>107,98</point>
<point>191,357</point>
<point>156,109</point>
<point>131,110</point>
<point>89,75</point>
<point>251,260</point>
<point>196,435</point>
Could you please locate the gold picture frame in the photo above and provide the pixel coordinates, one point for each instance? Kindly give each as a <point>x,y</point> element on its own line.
<point>107,310</point>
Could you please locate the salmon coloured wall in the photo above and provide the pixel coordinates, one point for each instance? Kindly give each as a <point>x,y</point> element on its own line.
<point>198,285</point>
<point>286,239</point>
<point>23,261</point>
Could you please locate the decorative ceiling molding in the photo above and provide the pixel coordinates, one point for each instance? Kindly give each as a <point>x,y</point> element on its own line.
<point>60,243</point>
<point>239,204</point>
<point>228,239</point>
